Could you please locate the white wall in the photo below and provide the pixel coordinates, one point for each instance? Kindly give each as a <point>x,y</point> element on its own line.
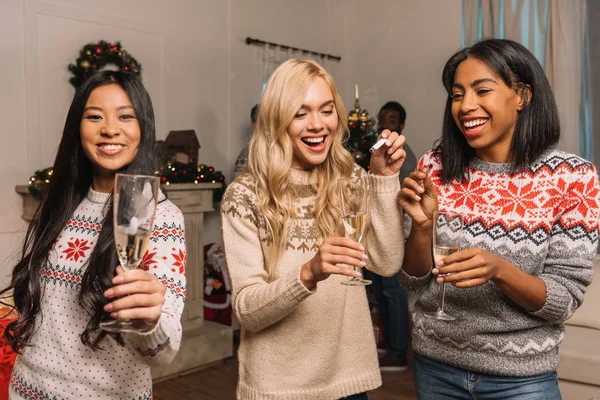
<point>201,75</point>
<point>14,165</point>
<point>397,51</point>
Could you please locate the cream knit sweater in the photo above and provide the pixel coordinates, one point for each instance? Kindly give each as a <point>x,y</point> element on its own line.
<point>300,344</point>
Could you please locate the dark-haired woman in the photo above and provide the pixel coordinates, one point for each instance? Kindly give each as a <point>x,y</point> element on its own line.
<point>66,281</point>
<point>530,235</point>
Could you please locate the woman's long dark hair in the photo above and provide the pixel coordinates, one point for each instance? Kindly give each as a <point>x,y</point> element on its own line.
<point>71,180</point>
<point>538,126</point>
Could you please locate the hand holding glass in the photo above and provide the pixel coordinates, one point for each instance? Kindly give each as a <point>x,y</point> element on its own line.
<point>354,198</point>
<point>134,204</point>
<point>447,234</point>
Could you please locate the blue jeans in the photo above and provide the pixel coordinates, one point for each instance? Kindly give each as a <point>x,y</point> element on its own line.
<point>392,302</point>
<point>358,396</point>
<point>438,381</point>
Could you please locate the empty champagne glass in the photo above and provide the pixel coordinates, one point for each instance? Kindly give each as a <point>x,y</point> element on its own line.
<point>134,205</point>
<point>447,234</point>
<point>354,197</point>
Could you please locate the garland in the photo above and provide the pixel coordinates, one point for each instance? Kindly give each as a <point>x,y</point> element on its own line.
<point>174,172</point>
<point>169,172</point>
<point>95,56</point>
<point>38,182</point>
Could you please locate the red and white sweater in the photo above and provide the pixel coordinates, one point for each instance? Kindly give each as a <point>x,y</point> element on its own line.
<point>58,365</point>
<point>542,219</point>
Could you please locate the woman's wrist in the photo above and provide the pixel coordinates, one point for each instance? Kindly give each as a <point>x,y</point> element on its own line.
<point>502,272</point>
<point>422,228</point>
<point>307,277</point>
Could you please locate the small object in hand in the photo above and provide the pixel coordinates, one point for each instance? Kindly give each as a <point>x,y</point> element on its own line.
<point>377,145</point>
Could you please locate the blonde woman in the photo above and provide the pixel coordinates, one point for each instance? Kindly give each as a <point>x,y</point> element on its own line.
<point>304,334</point>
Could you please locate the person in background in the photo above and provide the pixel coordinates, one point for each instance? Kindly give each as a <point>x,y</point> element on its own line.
<point>304,335</point>
<point>529,239</point>
<point>241,162</point>
<point>392,299</point>
<point>392,116</point>
<point>68,279</point>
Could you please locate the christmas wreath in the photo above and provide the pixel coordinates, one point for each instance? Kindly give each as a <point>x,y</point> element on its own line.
<point>95,56</point>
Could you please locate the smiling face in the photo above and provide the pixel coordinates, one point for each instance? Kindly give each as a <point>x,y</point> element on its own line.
<point>485,110</point>
<point>314,126</point>
<point>110,133</point>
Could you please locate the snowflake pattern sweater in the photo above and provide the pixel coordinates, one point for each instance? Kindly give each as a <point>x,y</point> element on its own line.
<point>58,365</point>
<point>298,344</point>
<point>544,220</point>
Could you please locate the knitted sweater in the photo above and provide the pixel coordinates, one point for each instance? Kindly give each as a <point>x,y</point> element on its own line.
<point>544,220</point>
<point>58,365</point>
<point>299,344</point>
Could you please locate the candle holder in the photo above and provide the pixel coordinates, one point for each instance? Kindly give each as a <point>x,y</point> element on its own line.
<point>359,118</point>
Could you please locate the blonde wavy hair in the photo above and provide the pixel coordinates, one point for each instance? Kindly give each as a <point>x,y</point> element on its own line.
<point>271,154</point>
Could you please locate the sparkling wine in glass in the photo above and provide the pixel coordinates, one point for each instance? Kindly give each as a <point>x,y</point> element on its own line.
<point>354,195</point>
<point>135,198</point>
<point>447,234</point>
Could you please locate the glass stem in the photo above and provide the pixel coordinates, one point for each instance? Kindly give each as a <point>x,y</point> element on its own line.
<point>442,296</point>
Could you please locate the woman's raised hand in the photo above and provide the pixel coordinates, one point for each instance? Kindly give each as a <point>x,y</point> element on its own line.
<point>419,198</point>
<point>388,159</point>
<point>333,251</point>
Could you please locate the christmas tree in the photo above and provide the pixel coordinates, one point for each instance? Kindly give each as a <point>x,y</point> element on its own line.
<point>363,134</point>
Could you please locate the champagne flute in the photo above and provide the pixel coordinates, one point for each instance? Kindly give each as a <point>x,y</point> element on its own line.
<point>354,197</point>
<point>134,205</point>
<point>447,234</point>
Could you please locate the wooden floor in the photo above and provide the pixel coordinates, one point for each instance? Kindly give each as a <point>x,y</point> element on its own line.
<point>218,382</point>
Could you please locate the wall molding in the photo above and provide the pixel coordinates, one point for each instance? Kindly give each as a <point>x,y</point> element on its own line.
<point>32,11</point>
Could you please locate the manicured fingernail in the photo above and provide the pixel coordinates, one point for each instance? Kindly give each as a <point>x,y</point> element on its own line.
<point>440,263</point>
<point>113,315</point>
<point>365,257</point>
<point>417,198</point>
<point>388,143</point>
<point>108,307</point>
<point>440,279</point>
<point>357,274</point>
<point>435,271</point>
<point>108,293</point>
<point>361,248</point>
<point>420,189</point>
<point>363,263</point>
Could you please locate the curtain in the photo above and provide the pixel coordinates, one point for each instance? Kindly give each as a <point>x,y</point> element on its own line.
<point>555,32</point>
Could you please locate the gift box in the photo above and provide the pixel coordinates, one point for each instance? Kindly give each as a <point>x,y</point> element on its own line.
<point>7,355</point>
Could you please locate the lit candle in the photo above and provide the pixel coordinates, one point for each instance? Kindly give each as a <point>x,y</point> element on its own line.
<point>356,90</point>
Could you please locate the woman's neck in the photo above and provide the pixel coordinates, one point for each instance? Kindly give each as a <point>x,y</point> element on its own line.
<point>103,183</point>
<point>495,154</point>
